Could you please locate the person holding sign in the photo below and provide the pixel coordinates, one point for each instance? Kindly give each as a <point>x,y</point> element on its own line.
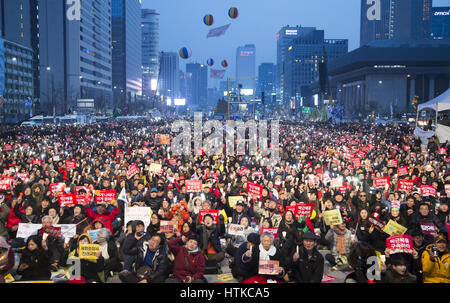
<point>103,212</point>
<point>341,240</point>
<point>34,263</point>
<point>436,261</point>
<point>270,213</point>
<point>425,215</point>
<point>234,241</point>
<point>308,262</point>
<point>210,242</point>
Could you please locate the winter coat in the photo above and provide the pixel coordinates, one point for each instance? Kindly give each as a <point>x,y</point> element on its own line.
<point>213,238</point>
<point>332,237</point>
<point>160,268</point>
<point>39,265</point>
<point>251,265</point>
<point>393,277</point>
<point>4,214</point>
<point>437,271</point>
<point>108,217</point>
<point>308,269</point>
<point>263,213</point>
<point>186,264</point>
<point>113,263</point>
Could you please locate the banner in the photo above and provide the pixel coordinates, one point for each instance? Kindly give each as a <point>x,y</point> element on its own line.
<point>213,212</point>
<point>67,200</point>
<point>269,267</point>
<point>392,163</point>
<point>404,184</point>
<point>233,200</point>
<point>382,181</point>
<point>168,226</point>
<point>88,251</point>
<point>105,196</point>
<point>332,217</point>
<point>143,214</point>
<point>427,190</point>
<point>27,229</point>
<point>273,231</point>
<point>236,229</point>
<point>218,31</point>
<point>400,244</point>
<point>393,228</point>
<point>193,186</point>
<point>71,164</point>
<point>427,228</point>
<point>377,224</point>
<point>403,171</point>
<point>132,170</point>
<point>254,189</point>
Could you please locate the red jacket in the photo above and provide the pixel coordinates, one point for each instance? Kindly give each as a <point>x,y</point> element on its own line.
<point>12,219</point>
<point>107,217</point>
<point>195,265</point>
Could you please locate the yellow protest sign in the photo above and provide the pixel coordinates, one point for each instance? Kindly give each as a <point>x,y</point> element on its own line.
<point>393,228</point>
<point>233,200</point>
<point>88,251</point>
<point>155,168</point>
<point>332,217</point>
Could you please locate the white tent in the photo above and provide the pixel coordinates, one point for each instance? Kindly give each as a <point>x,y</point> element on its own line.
<point>438,104</point>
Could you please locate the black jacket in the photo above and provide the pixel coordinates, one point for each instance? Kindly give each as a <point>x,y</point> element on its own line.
<point>308,268</point>
<point>39,265</point>
<point>213,238</point>
<point>113,263</point>
<point>362,231</point>
<point>160,268</point>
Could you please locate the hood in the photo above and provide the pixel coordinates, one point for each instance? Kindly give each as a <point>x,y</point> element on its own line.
<point>99,219</point>
<point>134,224</point>
<point>84,236</point>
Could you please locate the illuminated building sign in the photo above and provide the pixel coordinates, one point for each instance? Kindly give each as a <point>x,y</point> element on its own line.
<point>442,13</point>
<point>291,32</point>
<point>247,53</point>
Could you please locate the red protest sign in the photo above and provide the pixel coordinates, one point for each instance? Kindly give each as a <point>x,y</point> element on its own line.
<point>162,139</point>
<point>357,162</point>
<point>213,175</point>
<point>254,189</point>
<point>400,244</point>
<point>36,162</point>
<point>244,171</point>
<point>447,188</point>
<point>57,188</point>
<point>273,231</point>
<point>404,184</point>
<point>382,181</point>
<point>193,186</point>
<point>132,170</point>
<point>120,154</point>
<point>427,228</point>
<point>377,224</point>
<point>5,185</point>
<point>52,231</point>
<point>105,196</point>
<point>402,171</point>
<point>22,176</point>
<point>448,230</point>
<point>442,151</point>
<point>293,209</point>
<point>168,226</point>
<point>172,161</point>
<point>428,190</point>
<point>392,163</point>
<point>268,267</point>
<point>258,174</point>
<point>78,188</point>
<point>70,164</point>
<point>82,200</point>
<point>305,209</point>
<point>213,212</point>
<point>66,200</point>
<point>7,147</point>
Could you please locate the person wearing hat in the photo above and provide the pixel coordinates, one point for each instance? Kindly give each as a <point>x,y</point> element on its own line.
<point>436,261</point>
<point>152,200</point>
<point>397,272</point>
<point>442,212</point>
<point>240,211</point>
<point>308,262</point>
<point>426,216</point>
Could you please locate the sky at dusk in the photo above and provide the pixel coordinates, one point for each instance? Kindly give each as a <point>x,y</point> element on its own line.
<point>181,24</point>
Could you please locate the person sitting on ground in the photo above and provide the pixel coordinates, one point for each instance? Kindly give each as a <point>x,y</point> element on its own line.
<point>436,261</point>
<point>34,263</point>
<point>308,263</point>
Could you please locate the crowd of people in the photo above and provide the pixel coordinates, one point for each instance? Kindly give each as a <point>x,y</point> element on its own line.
<point>330,167</point>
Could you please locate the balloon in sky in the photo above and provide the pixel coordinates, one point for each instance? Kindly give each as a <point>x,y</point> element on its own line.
<point>224,63</point>
<point>208,20</point>
<point>233,13</point>
<point>185,53</point>
<point>210,62</point>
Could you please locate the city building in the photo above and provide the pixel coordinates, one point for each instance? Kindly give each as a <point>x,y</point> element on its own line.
<point>400,19</point>
<point>383,78</point>
<point>150,51</point>
<point>75,56</point>
<point>246,66</point>
<point>266,81</point>
<point>303,59</point>
<point>197,85</point>
<point>126,57</point>
<point>168,78</point>
<point>440,23</point>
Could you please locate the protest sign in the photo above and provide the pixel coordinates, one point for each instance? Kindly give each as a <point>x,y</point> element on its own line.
<point>254,189</point>
<point>392,163</point>
<point>304,209</point>
<point>269,267</point>
<point>393,228</point>
<point>56,158</point>
<point>213,212</point>
<point>82,200</point>
<point>400,244</point>
<point>168,226</point>
<point>172,161</point>
<point>155,168</point>
<point>162,139</point>
<point>377,224</point>
<point>404,184</point>
<point>447,189</point>
<point>233,200</point>
<point>337,182</point>
<point>395,204</point>
<point>448,230</point>
<point>138,213</point>
<point>427,228</point>
<point>357,162</point>
<point>36,162</point>
<point>88,251</point>
<point>27,229</point>
<point>93,234</point>
<point>52,231</point>
<point>402,171</point>
<point>193,186</point>
<point>211,175</point>
<point>105,196</point>
<point>57,188</point>
<point>442,151</point>
<point>132,170</point>
<point>71,164</point>
<point>273,231</point>
<point>382,181</point>
<point>326,279</point>
<point>7,147</point>
<point>258,174</point>
<point>427,190</point>
<point>236,229</point>
<point>5,185</point>
<point>244,171</point>
<point>66,200</point>
<point>332,217</point>
<point>22,176</point>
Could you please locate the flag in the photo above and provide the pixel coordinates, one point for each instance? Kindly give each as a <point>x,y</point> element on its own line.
<point>123,196</point>
<point>217,74</point>
<point>218,31</point>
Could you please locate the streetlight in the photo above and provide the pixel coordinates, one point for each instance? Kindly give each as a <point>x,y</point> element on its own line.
<point>14,59</point>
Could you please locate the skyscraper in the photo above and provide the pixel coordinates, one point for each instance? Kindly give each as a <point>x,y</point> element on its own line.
<point>126,57</point>
<point>303,58</point>
<point>440,20</point>
<point>266,80</point>
<point>197,85</point>
<point>150,51</point>
<point>168,79</point>
<point>246,66</point>
<point>399,20</point>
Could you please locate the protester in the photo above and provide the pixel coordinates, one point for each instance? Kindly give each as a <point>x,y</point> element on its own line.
<point>436,261</point>
<point>308,262</point>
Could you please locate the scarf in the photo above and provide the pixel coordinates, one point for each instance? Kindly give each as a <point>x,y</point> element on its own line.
<point>205,235</point>
<point>56,219</point>
<point>341,245</point>
<point>266,254</point>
